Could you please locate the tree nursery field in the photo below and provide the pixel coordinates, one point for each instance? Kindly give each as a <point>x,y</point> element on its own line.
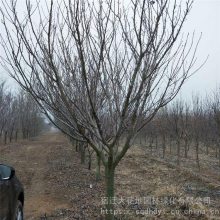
<point>58,186</point>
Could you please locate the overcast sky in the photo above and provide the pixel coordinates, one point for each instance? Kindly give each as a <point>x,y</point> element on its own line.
<point>205,18</point>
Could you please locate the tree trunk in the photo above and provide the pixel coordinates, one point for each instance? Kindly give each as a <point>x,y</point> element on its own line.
<point>151,147</point>
<point>82,153</point>
<point>178,152</point>
<point>90,163</point>
<point>109,178</point>
<point>76,146</point>
<point>98,167</point>
<point>170,144</point>
<point>164,145</point>
<point>186,147</point>
<point>16,135</point>
<point>197,154</point>
<point>5,139</point>
<point>90,159</point>
<point>207,148</point>
<point>1,131</point>
<point>219,156</point>
<point>11,134</point>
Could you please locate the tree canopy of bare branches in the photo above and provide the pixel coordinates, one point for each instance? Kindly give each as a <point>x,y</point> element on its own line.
<point>101,69</point>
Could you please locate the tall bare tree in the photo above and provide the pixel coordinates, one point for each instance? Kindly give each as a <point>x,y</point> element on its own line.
<point>197,124</point>
<point>176,112</point>
<point>216,113</point>
<point>98,68</point>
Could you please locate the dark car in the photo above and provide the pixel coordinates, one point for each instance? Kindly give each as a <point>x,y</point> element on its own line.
<point>11,195</point>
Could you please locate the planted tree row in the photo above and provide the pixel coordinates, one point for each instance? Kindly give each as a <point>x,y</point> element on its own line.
<point>20,116</point>
<point>188,125</point>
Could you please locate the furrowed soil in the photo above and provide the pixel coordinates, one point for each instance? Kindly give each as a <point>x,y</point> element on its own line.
<point>58,186</point>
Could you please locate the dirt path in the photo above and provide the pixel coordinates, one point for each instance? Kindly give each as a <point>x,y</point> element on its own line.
<point>30,162</point>
<point>40,200</point>
<point>41,166</point>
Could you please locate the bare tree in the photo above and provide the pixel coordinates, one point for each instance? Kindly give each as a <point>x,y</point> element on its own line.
<point>99,68</point>
<point>163,127</point>
<point>216,114</point>
<point>179,116</point>
<point>197,124</point>
<point>210,130</point>
<point>175,118</point>
<point>186,128</point>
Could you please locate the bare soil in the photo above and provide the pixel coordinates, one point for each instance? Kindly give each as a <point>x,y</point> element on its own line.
<point>57,186</point>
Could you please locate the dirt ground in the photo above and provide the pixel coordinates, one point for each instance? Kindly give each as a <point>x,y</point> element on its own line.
<point>57,186</point>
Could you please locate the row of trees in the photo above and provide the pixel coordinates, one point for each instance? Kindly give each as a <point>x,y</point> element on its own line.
<point>20,116</point>
<point>180,128</point>
<point>186,124</point>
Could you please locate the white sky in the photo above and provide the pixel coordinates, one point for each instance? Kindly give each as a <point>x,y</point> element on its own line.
<point>205,18</point>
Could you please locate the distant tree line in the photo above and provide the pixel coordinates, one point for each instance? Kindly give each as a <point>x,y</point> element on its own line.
<point>183,125</point>
<point>20,116</point>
